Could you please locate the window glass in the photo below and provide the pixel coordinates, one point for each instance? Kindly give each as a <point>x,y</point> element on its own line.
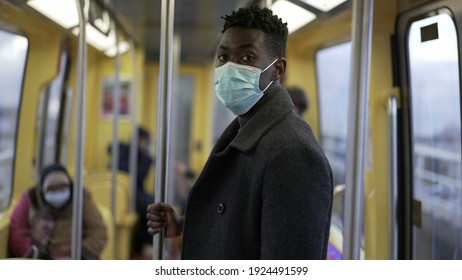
<point>333,75</point>
<point>13,54</point>
<point>436,142</point>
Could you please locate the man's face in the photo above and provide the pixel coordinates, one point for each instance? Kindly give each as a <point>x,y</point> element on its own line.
<point>143,145</point>
<point>247,47</point>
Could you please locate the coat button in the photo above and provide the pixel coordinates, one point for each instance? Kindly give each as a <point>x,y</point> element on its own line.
<point>221,208</point>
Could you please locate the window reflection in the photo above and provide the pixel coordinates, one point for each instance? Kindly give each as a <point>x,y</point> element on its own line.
<point>13,53</point>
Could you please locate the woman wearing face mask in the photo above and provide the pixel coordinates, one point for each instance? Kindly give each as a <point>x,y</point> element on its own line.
<point>41,223</point>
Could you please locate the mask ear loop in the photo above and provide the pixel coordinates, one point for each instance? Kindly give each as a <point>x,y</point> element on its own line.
<point>267,69</point>
<point>269,65</point>
<point>268,86</point>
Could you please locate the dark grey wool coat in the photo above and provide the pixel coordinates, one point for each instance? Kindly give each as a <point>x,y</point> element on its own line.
<point>265,191</point>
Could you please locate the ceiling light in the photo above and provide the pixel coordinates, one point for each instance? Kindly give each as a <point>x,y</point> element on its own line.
<point>294,15</point>
<point>63,12</point>
<point>102,42</point>
<point>123,47</point>
<point>97,39</point>
<point>324,5</point>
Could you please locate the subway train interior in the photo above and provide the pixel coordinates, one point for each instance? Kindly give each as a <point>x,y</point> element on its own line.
<point>382,78</point>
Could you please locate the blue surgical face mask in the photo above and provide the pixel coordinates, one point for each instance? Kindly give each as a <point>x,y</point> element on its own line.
<point>57,199</point>
<point>237,86</point>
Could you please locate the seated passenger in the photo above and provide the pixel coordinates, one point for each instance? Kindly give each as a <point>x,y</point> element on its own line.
<point>41,223</point>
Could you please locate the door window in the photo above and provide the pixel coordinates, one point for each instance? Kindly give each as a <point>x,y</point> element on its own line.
<point>436,142</point>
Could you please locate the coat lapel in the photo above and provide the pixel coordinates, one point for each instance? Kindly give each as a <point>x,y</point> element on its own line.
<point>276,106</point>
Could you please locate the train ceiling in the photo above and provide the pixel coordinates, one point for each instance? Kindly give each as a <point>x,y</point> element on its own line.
<point>197,23</point>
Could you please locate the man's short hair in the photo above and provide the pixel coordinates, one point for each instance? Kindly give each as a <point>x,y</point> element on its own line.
<point>263,19</point>
<point>143,133</point>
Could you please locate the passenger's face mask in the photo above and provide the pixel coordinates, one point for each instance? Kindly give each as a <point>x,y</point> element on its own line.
<point>57,199</point>
<point>237,86</point>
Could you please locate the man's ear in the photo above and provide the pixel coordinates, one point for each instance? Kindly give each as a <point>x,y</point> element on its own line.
<point>280,67</point>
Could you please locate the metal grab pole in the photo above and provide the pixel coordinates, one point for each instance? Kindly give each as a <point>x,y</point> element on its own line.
<point>77,203</point>
<point>115,131</point>
<point>163,111</point>
<point>134,112</point>
<point>392,178</point>
<point>357,127</point>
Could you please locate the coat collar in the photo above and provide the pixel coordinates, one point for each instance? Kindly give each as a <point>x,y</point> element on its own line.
<point>275,105</point>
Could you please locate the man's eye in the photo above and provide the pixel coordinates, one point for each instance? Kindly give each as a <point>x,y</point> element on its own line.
<point>247,58</point>
<point>221,58</point>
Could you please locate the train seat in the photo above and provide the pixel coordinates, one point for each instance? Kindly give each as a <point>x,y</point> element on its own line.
<point>99,183</point>
<point>108,252</point>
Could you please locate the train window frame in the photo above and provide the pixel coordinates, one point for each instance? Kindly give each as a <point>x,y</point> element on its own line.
<point>406,147</point>
<point>14,31</point>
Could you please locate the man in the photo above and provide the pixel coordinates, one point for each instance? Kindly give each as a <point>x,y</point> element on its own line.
<point>266,189</point>
<point>143,199</point>
<point>299,99</point>
<point>144,163</point>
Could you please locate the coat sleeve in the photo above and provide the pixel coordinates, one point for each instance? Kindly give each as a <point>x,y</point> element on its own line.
<point>297,195</point>
<point>95,233</point>
<point>20,239</point>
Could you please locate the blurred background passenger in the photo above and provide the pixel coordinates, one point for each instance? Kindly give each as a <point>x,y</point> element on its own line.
<point>299,99</point>
<point>143,199</point>
<point>41,223</point>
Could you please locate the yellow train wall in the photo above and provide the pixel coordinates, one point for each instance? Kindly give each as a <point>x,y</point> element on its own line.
<point>41,68</point>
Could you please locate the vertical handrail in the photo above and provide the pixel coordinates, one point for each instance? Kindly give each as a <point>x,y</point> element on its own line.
<point>134,116</point>
<point>392,178</point>
<point>77,203</point>
<point>357,125</point>
<point>115,130</point>
<point>163,112</point>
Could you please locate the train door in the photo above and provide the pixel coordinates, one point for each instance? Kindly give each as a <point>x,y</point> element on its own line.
<point>429,45</point>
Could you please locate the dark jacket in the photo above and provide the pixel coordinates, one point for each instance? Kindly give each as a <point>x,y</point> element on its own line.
<point>144,163</point>
<point>265,191</point>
